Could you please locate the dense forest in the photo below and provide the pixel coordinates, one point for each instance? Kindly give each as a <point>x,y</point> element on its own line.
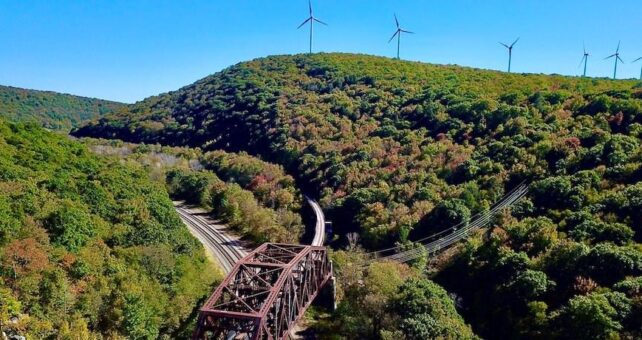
<point>398,150</point>
<point>55,111</point>
<point>91,247</point>
<point>256,198</point>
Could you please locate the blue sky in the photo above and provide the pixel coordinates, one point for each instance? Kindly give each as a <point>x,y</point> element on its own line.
<point>129,50</point>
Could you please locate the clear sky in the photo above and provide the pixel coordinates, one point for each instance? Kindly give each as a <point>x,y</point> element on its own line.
<point>128,50</point>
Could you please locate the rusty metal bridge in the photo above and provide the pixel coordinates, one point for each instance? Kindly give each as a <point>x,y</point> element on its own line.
<point>266,293</point>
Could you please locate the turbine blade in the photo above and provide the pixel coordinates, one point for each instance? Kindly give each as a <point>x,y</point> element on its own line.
<point>319,21</point>
<point>609,57</point>
<point>305,22</point>
<point>620,59</point>
<point>640,58</point>
<point>310,6</point>
<point>582,60</point>
<point>406,31</point>
<point>501,43</point>
<point>393,36</point>
<point>618,46</point>
<point>514,42</point>
<point>396,21</point>
<point>584,47</point>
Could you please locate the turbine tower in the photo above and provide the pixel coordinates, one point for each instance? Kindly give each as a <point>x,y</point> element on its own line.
<point>640,58</point>
<point>617,57</point>
<point>584,60</point>
<point>311,19</point>
<point>510,51</point>
<point>398,35</point>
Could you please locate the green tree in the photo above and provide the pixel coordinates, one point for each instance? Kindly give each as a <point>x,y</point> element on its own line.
<point>447,213</point>
<point>529,285</point>
<point>427,312</point>
<point>70,225</point>
<point>139,319</point>
<point>589,317</point>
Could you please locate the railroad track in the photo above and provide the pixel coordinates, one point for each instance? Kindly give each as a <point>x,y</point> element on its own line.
<point>228,249</point>
<point>319,228</point>
<point>225,248</point>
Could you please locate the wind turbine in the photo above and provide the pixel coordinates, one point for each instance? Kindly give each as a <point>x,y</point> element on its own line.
<point>617,57</point>
<point>640,58</point>
<point>398,35</point>
<point>510,51</point>
<point>311,19</point>
<point>584,60</point>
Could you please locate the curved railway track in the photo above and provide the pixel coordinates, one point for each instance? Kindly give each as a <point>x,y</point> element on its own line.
<point>319,227</point>
<point>228,250</point>
<point>225,248</point>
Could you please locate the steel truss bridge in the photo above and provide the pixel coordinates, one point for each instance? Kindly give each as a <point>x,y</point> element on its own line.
<point>266,293</point>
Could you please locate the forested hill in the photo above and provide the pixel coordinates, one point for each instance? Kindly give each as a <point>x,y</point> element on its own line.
<point>55,111</point>
<point>273,99</point>
<point>90,247</point>
<point>363,130</point>
<point>397,150</point>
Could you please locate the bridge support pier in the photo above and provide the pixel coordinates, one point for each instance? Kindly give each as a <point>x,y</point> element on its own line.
<point>327,297</point>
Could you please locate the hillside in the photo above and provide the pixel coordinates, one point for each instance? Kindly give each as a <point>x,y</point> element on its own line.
<point>90,247</point>
<point>55,111</point>
<point>398,150</point>
<point>256,198</point>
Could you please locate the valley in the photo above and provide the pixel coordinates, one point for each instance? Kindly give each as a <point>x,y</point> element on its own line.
<point>397,150</point>
<point>534,181</point>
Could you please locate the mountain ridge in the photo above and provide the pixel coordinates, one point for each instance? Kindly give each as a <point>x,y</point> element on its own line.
<point>53,110</point>
<point>399,150</point>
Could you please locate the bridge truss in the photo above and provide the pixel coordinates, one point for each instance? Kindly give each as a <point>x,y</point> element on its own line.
<point>265,293</point>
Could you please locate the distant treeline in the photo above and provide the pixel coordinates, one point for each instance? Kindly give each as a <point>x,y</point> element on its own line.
<point>54,111</point>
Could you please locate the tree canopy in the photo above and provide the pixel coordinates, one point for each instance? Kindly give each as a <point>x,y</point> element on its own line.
<point>90,247</point>
<point>398,150</point>
<point>55,111</point>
